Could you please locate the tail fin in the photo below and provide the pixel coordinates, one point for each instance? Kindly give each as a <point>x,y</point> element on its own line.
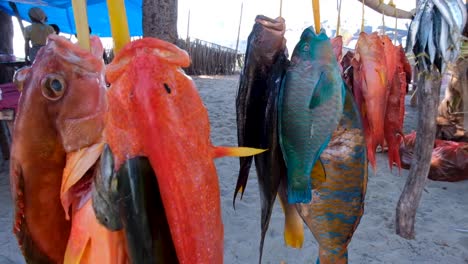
<point>245,164</point>
<point>219,152</point>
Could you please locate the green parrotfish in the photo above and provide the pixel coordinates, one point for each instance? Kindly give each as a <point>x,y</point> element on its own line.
<point>311,105</point>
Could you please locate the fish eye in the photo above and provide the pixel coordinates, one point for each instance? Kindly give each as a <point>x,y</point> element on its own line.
<point>306,47</point>
<point>53,87</point>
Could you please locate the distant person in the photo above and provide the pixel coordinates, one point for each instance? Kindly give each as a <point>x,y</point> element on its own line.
<point>36,33</point>
<point>56,28</point>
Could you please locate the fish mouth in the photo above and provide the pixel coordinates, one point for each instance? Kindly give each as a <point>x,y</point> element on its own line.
<point>128,198</point>
<point>277,24</point>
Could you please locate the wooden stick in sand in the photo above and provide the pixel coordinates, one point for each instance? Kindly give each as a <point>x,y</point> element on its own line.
<point>81,23</point>
<point>316,10</point>
<point>119,24</point>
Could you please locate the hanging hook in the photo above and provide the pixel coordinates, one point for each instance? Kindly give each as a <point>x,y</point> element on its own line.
<point>281,8</point>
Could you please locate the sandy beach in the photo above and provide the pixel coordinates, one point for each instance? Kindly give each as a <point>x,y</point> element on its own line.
<point>441,221</point>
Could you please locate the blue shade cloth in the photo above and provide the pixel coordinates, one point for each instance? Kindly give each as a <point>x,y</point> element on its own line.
<point>60,12</point>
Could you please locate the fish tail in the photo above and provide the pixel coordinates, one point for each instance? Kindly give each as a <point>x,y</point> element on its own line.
<point>245,164</point>
<point>371,153</point>
<point>219,152</point>
<point>299,195</point>
<point>293,225</point>
<point>327,257</point>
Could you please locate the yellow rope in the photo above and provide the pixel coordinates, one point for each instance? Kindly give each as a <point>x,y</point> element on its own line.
<point>338,23</point>
<point>316,11</point>
<point>362,22</point>
<point>119,24</point>
<point>396,21</point>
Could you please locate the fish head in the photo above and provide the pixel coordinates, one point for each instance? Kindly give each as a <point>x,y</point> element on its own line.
<point>313,47</point>
<point>146,80</point>
<point>269,38</point>
<point>66,87</point>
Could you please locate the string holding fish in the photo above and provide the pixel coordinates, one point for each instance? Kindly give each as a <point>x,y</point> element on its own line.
<point>383,18</point>
<point>362,20</point>
<point>281,8</point>
<point>396,21</point>
<point>338,22</point>
<point>316,11</point>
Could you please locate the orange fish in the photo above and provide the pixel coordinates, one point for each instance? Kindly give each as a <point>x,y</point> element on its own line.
<point>370,89</point>
<point>156,110</point>
<point>61,110</point>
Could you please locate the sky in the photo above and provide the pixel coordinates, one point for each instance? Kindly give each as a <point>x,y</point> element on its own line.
<point>217,21</point>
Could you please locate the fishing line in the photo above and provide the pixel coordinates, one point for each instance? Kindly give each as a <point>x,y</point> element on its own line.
<point>362,22</point>
<point>339,18</point>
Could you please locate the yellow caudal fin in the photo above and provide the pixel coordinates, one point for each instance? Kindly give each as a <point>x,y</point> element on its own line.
<point>318,174</point>
<point>236,151</point>
<point>293,225</point>
<point>78,163</point>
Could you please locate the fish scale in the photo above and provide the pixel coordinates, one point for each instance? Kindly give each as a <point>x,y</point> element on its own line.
<point>311,105</point>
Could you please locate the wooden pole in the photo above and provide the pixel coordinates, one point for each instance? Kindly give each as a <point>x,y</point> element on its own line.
<point>387,9</point>
<point>81,23</point>
<point>238,31</point>
<point>428,97</point>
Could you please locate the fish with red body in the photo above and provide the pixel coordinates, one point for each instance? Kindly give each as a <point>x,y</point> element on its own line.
<point>61,111</point>
<point>449,160</point>
<point>395,113</point>
<point>337,45</point>
<point>370,89</point>
<point>146,80</point>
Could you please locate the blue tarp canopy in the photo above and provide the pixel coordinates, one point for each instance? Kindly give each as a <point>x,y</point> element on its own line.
<point>60,12</point>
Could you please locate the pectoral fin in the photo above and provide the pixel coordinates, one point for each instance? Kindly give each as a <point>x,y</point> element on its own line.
<point>318,174</point>
<point>236,151</point>
<point>78,163</point>
<point>322,91</point>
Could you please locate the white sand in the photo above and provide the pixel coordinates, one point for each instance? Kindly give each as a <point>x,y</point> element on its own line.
<point>443,208</point>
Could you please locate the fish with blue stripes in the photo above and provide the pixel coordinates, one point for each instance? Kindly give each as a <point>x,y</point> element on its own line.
<point>338,203</point>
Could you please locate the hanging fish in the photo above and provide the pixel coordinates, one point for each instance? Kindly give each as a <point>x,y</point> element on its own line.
<point>370,89</point>
<point>61,113</point>
<point>311,104</point>
<point>395,112</point>
<point>435,32</point>
<point>338,203</point>
<point>146,80</point>
<point>257,111</point>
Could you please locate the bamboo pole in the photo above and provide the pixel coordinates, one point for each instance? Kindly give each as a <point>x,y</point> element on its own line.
<point>238,30</point>
<point>119,24</point>
<point>81,23</point>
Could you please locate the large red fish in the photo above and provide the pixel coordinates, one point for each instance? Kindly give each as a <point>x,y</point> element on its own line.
<point>61,110</point>
<point>155,108</point>
<point>395,112</point>
<point>370,89</point>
